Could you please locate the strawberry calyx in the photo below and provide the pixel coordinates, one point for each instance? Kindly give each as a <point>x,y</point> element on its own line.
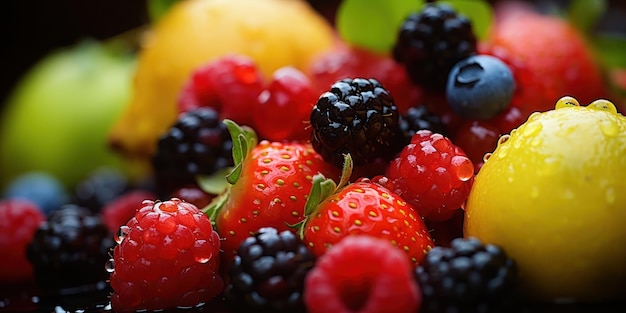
<point>321,189</point>
<point>244,140</point>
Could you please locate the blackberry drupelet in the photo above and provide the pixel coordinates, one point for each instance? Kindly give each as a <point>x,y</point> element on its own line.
<point>468,276</point>
<point>69,250</point>
<point>267,274</point>
<point>197,144</point>
<point>419,118</point>
<point>356,116</point>
<point>431,41</point>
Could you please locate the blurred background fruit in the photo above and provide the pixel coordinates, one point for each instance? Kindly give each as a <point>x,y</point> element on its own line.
<point>273,33</point>
<point>57,118</point>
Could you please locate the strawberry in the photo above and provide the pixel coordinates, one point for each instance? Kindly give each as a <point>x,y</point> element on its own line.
<point>362,207</point>
<point>549,59</point>
<point>268,187</point>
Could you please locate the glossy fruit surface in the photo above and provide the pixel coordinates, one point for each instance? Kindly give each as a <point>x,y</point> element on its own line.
<point>274,33</point>
<point>551,197</point>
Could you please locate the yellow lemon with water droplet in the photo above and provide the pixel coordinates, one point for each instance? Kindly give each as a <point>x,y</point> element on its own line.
<point>553,195</point>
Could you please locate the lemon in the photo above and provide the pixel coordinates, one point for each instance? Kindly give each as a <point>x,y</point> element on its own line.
<point>552,194</point>
<point>274,33</point>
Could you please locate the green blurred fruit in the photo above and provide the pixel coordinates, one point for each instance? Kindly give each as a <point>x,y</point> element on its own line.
<point>58,116</point>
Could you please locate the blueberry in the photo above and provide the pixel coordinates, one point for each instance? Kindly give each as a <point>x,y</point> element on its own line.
<point>480,87</point>
<point>43,189</point>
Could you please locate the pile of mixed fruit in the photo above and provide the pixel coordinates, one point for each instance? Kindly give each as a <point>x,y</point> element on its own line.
<point>355,184</point>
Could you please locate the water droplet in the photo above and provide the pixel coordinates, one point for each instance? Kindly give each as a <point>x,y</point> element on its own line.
<point>603,105</point>
<point>109,266</point>
<point>565,102</point>
<point>609,128</point>
<point>202,260</point>
<point>610,196</point>
<point>532,129</point>
<point>486,157</point>
<point>533,116</point>
<point>502,151</point>
<point>503,139</point>
<point>463,167</point>
<point>121,233</point>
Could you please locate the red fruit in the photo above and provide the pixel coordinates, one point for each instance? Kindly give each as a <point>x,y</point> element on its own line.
<point>432,174</point>
<point>350,62</point>
<point>269,188</point>
<point>120,210</point>
<point>194,195</point>
<point>167,257</point>
<point>549,59</point>
<point>19,219</point>
<point>230,84</point>
<point>362,274</point>
<point>477,138</point>
<point>362,207</point>
<point>285,107</point>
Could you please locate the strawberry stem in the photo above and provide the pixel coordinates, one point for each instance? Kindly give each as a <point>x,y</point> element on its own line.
<point>244,140</point>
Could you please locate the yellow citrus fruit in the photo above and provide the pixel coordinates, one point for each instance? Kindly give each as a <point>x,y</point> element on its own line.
<point>274,33</point>
<point>552,194</point>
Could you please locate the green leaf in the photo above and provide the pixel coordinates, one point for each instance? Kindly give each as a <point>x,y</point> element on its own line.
<point>244,140</point>
<point>213,209</point>
<point>157,8</point>
<point>584,14</point>
<point>610,49</point>
<point>373,24</point>
<point>215,183</point>
<point>479,12</point>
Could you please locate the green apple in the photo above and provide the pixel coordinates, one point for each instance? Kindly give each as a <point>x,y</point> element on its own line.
<point>59,114</point>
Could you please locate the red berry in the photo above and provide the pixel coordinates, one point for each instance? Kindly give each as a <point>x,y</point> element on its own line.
<point>194,195</point>
<point>230,84</point>
<point>477,138</point>
<point>120,210</point>
<point>351,61</point>
<point>285,106</point>
<point>19,219</point>
<point>362,274</point>
<point>167,257</point>
<point>432,174</point>
<point>364,208</point>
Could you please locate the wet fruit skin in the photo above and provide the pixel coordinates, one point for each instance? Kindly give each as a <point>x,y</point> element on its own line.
<point>550,195</point>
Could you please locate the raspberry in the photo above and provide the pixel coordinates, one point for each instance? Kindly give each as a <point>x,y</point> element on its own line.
<point>69,250</point>
<point>230,85</point>
<point>432,174</point>
<point>267,274</point>
<point>285,106</point>
<point>468,276</point>
<point>120,210</point>
<point>356,116</point>
<point>167,257</point>
<point>197,144</point>
<point>19,219</point>
<point>431,41</point>
<point>362,274</point>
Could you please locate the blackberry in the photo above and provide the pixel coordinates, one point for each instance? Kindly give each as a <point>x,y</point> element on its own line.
<point>467,276</point>
<point>419,118</point>
<point>69,250</point>
<point>267,274</point>
<point>431,41</point>
<point>356,116</point>
<point>197,144</point>
<point>99,188</point>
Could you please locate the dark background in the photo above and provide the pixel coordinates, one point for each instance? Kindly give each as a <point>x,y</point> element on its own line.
<point>31,28</point>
